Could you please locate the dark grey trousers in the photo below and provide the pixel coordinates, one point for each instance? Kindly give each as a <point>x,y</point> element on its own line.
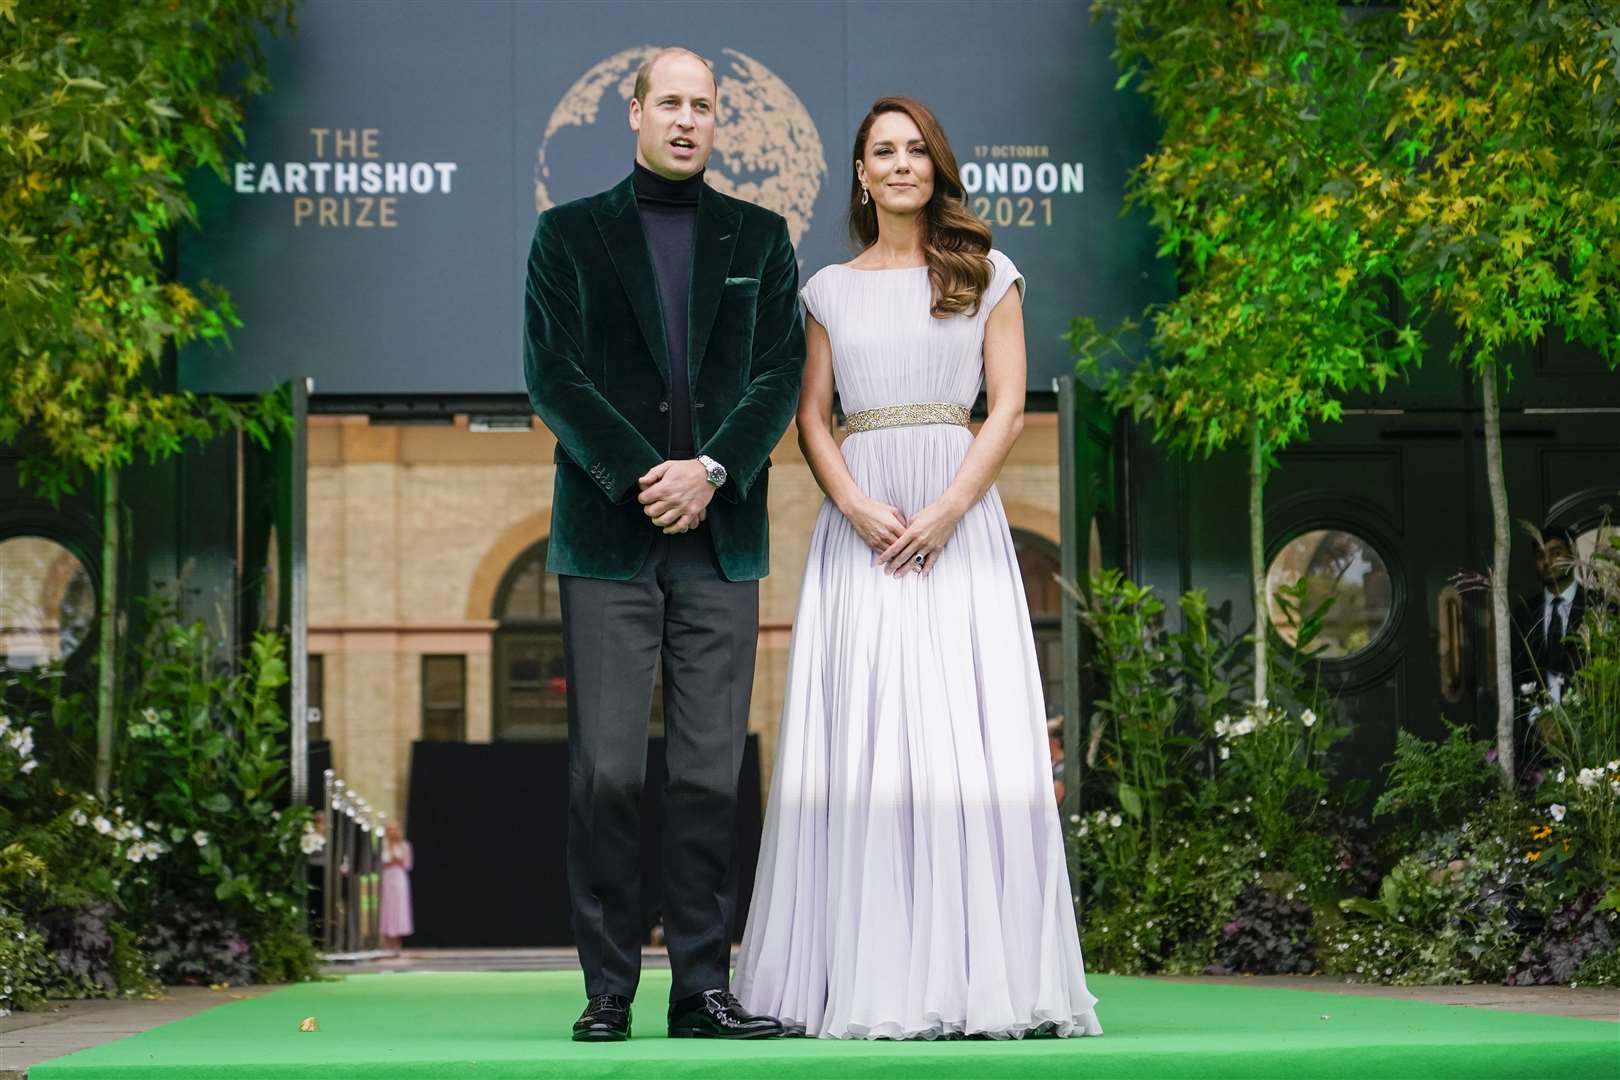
<point>706,629</point>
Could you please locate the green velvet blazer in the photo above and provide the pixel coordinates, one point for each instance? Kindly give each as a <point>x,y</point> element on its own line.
<point>598,373</point>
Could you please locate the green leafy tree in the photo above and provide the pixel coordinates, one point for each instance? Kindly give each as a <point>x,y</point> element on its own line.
<point>106,107</point>
<point>1502,190</point>
<point>1267,124</point>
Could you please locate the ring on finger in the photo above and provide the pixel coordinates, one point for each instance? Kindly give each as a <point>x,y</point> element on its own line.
<point>920,559</point>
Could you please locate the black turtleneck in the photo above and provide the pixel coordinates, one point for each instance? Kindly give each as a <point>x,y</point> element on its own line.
<point>668,217</point>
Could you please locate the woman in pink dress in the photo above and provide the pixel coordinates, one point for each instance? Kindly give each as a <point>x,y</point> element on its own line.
<point>912,880</point>
<point>396,887</point>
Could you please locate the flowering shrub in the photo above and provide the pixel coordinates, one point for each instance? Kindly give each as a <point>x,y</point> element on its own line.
<point>1199,804</point>
<point>1225,848</point>
<point>197,826</point>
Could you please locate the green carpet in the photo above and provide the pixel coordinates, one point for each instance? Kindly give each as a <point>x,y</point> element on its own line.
<point>510,1025</point>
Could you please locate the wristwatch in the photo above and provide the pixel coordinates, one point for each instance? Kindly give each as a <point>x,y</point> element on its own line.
<point>717,471</point>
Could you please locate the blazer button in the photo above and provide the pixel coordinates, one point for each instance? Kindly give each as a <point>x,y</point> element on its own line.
<point>663,406</point>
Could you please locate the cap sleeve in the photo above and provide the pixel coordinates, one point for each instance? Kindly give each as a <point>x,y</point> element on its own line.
<point>1003,275</point>
<point>814,301</point>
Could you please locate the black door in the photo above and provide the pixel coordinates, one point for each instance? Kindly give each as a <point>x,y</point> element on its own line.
<point>1374,512</point>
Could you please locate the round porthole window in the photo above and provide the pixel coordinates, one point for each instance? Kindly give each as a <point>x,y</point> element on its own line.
<point>1342,567</point>
<point>47,602</point>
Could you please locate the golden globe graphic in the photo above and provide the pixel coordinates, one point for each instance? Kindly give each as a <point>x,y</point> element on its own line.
<point>766,147</point>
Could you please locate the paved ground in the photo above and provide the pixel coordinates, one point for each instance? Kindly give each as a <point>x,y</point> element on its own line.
<point>29,1038</point>
<point>1587,1003</point>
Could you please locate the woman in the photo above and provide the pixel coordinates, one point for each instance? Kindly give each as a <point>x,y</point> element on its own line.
<point>396,920</point>
<point>911,880</point>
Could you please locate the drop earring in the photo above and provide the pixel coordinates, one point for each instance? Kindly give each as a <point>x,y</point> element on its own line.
<point>865,197</point>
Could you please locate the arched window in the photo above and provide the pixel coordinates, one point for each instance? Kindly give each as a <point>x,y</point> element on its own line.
<point>1038,563</point>
<point>531,685</point>
<point>531,690</point>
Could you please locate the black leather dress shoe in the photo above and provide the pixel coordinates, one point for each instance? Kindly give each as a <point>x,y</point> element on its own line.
<point>606,1019</point>
<point>716,1014</point>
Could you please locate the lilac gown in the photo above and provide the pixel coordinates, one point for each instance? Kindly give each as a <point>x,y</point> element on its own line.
<point>912,879</point>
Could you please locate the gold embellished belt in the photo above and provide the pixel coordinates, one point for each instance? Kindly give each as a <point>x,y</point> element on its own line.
<point>922,412</point>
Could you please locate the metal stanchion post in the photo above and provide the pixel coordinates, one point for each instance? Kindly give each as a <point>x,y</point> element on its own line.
<point>378,831</point>
<point>329,871</point>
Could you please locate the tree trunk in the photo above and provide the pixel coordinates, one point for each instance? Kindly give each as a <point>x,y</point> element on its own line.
<point>1257,563</point>
<point>107,687</point>
<point>1500,540</point>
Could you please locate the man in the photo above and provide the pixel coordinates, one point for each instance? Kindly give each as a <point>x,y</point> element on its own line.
<point>663,348</point>
<point>1545,655</point>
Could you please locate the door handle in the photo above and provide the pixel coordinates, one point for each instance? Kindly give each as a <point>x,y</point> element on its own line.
<point>1449,619</point>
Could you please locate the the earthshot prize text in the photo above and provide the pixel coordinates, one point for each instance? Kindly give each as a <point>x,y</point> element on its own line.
<point>345,184</point>
<point>1014,185</point>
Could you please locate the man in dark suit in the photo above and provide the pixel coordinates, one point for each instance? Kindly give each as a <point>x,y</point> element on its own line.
<point>663,348</point>
<point>1545,653</point>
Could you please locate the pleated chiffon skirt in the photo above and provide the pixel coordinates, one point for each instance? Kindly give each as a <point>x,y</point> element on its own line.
<point>912,881</point>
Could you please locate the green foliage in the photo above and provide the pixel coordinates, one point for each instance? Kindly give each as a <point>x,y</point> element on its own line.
<point>1225,849</point>
<point>1499,183</point>
<point>1194,798</point>
<point>1517,886</point>
<point>206,754</point>
<point>1268,122</point>
<point>195,827</point>
<point>105,108</point>
<point>1435,785</point>
<point>28,970</point>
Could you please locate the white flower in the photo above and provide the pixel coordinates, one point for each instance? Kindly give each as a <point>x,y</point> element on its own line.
<point>22,741</point>
<point>1223,726</point>
<point>1561,775</point>
<point>1226,752</point>
<point>1556,811</point>
<point>103,826</point>
<point>311,842</point>
<point>1084,830</point>
<point>1243,726</point>
<point>78,818</point>
<point>200,838</point>
<point>1614,766</point>
<point>1308,718</point>
<point>1589,777</point>
<point>149,714</point>
<point>28,766</point>
<point>1115,820</point>
<point>1527,688</point>
<point>1074,819</point>
<point>137,832</point>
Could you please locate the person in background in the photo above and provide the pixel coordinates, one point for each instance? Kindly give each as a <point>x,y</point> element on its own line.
<point>396,887</point>
<point>1545,625</point>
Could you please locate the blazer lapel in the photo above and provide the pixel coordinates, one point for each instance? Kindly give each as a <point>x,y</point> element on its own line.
<point>714,237</point>
<point>620,225</point>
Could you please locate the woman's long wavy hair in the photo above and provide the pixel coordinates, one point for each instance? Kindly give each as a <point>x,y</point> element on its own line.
<point>956,243</point>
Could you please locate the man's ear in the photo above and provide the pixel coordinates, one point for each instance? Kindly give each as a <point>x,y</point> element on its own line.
<point>635,115</point>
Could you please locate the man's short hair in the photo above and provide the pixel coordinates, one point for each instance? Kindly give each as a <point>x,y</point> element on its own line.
<point>644,73</point>
<point>1562,533</point>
